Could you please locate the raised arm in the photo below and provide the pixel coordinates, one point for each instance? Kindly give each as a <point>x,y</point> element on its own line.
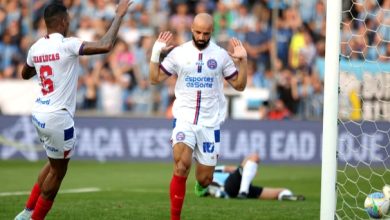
<point>28,71</point>
<point>156,75</point>
<point>106,43</point>
<point>239,57</point>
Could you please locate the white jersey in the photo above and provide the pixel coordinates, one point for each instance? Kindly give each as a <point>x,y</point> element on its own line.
<point>56,62</point>
<point>199,87</point>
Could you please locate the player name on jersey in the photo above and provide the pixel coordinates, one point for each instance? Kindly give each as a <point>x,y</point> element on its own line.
<point>46,58</point>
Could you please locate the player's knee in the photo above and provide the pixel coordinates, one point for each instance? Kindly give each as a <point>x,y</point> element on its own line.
<point>254,157</point>
<point>182,169</point>
<point>205,180</point>
<point>59,174</point>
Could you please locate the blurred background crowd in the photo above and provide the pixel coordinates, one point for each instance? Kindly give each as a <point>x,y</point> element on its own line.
<point>284,39</point>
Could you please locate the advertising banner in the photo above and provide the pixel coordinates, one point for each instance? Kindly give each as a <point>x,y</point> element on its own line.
<point>144,139</point>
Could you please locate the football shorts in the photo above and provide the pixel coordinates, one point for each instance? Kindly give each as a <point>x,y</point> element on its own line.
<point>204,141</point>
<point>233,182</point>
<point>56,132</point>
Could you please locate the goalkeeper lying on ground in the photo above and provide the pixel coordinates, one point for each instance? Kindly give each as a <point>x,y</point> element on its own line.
<point>235,182</point>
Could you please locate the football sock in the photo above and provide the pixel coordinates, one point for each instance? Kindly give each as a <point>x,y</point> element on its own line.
<point>248,173</point>
<point>177,192</point>
<point>284,192</point>
<point>34,195</point>
<point>41,209</point>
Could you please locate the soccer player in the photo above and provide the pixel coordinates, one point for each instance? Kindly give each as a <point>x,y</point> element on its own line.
<point>200,105</point>
<point>236,182</point>
<point>55,59</point>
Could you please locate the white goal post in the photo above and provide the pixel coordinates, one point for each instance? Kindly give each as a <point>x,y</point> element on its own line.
<point>330,117</point>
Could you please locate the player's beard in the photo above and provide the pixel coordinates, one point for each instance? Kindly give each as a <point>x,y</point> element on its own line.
<point>200,44</point>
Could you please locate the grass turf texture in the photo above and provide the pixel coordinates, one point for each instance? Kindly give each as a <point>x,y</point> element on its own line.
<point>141,191</point>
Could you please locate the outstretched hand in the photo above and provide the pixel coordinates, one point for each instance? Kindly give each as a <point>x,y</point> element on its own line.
<point>165,38</point>
<point>122,7</point>
<point>239,52</point>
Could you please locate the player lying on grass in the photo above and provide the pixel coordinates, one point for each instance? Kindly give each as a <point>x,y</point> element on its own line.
<point>235,182</point>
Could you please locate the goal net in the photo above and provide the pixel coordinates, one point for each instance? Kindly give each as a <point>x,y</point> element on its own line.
<point>363,148</point>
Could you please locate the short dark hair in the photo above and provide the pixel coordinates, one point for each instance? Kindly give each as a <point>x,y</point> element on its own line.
<point>54,11</point>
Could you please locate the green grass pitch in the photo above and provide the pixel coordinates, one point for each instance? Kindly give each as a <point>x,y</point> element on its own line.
<point>139,190</point>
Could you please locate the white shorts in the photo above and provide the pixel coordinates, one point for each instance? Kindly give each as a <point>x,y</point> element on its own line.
<point>204,141</point>
<point>56,132</point>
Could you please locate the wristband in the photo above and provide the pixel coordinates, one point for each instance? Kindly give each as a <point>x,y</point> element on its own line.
<point>156,51</point>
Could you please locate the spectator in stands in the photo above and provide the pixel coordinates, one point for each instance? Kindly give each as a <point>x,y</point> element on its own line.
<point>254,78</point>
<point>243,22</point>
<point>284,34</point>
<point>141,98</point>
<point>181,17</point>
<point>3,18</point>
<point>296,44</point>
<point>144,24</point>
<point>13,11</point>
<point>7,56</point>
<point>293,18</point>
<point>287,90</point>
<point>305,92</point>
<point>317,24</point>
<point>90,90</point>
<point>130,32</point>
<point>307,53</point>
<point>122,63</point>
<point>306,10</point>
<point>385,55</point>
<point>317,100</point>
<point>86,30</point>
<point>225,33</point>
<point>258,43</point>
<point>222,12</point>
<point>111,91</point>
<point>278,111</point>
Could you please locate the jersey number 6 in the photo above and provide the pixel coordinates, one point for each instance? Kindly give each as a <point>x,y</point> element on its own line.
<point>47,83</point>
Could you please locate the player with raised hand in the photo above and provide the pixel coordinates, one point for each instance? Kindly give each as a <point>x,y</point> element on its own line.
<point>55,59</point>
<point>200,106</point>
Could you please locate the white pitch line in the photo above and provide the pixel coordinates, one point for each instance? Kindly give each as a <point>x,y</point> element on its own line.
<point>145,191</point>
<point>78,190</point>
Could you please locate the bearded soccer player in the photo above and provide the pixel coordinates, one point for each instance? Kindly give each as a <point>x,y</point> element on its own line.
<point>200,105</point>
<point>55,59</point>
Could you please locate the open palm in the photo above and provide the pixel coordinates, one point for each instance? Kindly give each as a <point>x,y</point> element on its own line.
<point>165,37</point>
<point>239,52</point>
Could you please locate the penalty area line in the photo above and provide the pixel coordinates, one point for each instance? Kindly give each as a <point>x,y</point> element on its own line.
<point>65,191</point>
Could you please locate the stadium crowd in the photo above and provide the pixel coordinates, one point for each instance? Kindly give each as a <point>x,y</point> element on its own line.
<point>283,44</point>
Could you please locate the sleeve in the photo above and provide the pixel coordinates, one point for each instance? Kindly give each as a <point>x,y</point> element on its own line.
<point>169,65</point>
<point>74,46</point>
<point>229,69</point>
<point>29,60</point>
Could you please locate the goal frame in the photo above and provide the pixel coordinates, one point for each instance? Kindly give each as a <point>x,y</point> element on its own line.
<point>330,116</point>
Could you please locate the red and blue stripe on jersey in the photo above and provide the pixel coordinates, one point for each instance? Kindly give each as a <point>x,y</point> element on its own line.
<point>197,108</point>
<point>200,63</point>
<point>199,92</point>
